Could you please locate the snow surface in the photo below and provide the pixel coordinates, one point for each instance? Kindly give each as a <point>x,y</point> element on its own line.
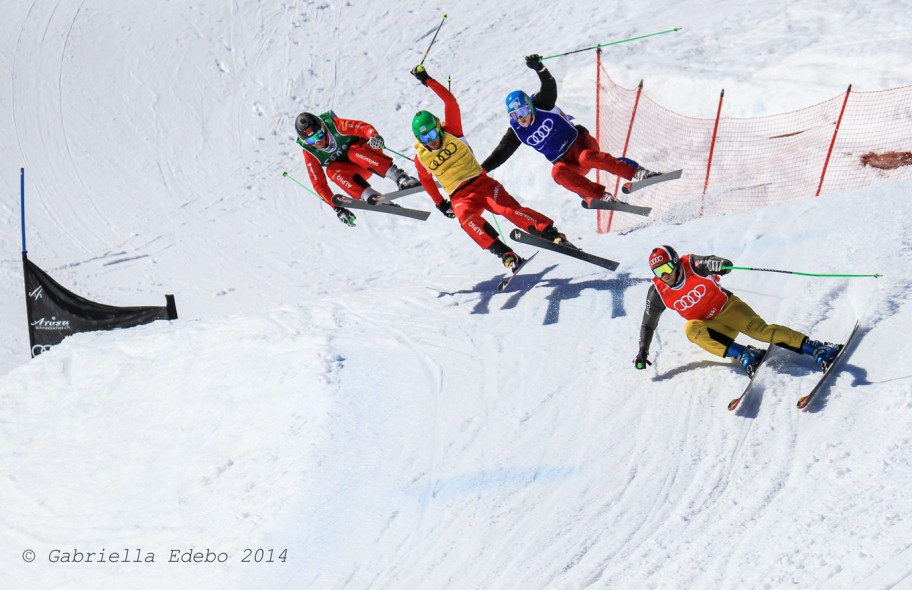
<point>360,397</point>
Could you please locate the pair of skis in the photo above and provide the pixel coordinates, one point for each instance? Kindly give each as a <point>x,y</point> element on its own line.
<point>629,187</point>
<point>385,204</point>
<point>568,250</point>
<point>804,400</point>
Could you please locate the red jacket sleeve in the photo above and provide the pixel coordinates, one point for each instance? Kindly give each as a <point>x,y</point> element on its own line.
<point>354,127</point>
<point>428,182</point>
<point>318,177</point>
<point>451,112</point>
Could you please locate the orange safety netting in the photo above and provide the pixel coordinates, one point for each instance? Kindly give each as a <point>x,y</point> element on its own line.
<point>733,164</point>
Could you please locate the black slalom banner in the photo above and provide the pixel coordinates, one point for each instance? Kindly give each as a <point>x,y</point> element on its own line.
<point>55,313</point>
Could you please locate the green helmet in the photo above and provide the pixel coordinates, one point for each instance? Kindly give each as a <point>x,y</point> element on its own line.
<point>422,122</point>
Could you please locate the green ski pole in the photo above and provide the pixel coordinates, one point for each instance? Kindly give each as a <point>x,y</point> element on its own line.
<point>304,186</point>
<point>803,274</point>
<point>613,43</point>
<point>387,148</point>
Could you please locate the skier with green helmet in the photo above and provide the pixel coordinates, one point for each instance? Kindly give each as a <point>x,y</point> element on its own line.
<point>443,152</point>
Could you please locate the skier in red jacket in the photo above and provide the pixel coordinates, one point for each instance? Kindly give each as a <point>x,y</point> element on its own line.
<point>715,316</point>
<point>442,151</point>
<point>350,151</point>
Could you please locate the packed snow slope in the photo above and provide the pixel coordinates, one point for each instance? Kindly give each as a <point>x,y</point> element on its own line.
<point>358,403</point>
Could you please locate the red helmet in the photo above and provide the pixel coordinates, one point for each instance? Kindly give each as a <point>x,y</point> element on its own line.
<point>663,260</point>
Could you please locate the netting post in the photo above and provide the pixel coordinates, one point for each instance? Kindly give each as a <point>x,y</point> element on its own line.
<point>636,103</point>
<point>826,162</point>
<point>598,129</point>
<point>633,114</point>
<point>712,149</point>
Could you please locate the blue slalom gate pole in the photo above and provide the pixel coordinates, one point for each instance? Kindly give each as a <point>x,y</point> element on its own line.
<point>22,205</point>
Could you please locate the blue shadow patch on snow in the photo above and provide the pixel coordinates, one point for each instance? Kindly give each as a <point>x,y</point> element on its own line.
<point>562,289</point>
<point>494,479</point>
<point>565,289</point>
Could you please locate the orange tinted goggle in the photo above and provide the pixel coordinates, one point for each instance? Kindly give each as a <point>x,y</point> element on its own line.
<point>664,269</point>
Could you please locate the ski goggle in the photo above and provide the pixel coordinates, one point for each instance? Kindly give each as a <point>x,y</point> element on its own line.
<point>664,269</point>
<point>520,112</point>
<point>315,137</point>
<point>429,136</point>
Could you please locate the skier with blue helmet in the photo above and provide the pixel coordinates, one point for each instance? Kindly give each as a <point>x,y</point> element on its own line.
<point>537,122</point>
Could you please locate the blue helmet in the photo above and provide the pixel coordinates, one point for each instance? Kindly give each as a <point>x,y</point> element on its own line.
<point>519,104</point>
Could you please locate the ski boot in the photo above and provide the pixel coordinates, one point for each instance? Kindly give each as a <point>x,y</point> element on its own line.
<point>552,235</point>
<point>642,174</point>
<point>511,260</point>
<point>748,357</point>
<point>402,180</point>
<point>823,353</point>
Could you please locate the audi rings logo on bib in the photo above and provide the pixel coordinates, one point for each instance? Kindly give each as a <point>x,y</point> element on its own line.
<point>688,300</point>
<point>447,152</point>
<point>542,133</point>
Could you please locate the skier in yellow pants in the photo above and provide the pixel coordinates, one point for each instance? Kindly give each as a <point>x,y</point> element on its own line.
<point>715,316</point>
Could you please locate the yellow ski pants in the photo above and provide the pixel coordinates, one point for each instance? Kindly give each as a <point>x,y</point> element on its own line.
<point>737,317</point>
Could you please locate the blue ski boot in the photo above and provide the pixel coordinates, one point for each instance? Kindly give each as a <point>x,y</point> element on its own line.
<point>748,357</point>
<point>822,352</point>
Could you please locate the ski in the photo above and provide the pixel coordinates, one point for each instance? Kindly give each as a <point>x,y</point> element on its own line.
<point>349,203</point>
<point>526,238</point>
<point>630,187</point>
<point>733,405</point>
<point>616,205</point>
<point>805,400</point>
<point>504,283</point>
<point>387,197</point>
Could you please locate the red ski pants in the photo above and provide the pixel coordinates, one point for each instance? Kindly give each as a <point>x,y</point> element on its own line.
<point>483,193</point>
<point>352,174</point>
<point>584,155</point>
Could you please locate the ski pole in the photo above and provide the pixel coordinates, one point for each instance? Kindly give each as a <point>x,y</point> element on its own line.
<point>434,38</point>
<point>614,43</point>
<point>803,274</point>
<point>304,186</point>
<point>389,149</point>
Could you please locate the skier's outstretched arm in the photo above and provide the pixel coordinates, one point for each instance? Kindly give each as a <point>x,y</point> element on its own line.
<point>546,97</point>
<point>318,178</point>
<point>653,312</point>
<point>355,127</point>
<point>710,265</point>
<point>507,146</point>
<point>427,181</point>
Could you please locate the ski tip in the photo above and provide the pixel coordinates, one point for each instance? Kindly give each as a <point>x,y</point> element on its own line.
<point>733,404</point>
<point>803,402</point>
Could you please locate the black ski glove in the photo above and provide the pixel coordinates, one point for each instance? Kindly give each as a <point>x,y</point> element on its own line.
<point>534,62</point>
<point>345,216</point>
<point>641,360</point>
<point>446,208</point>
<point>420,73</point>
<point>714,265</point>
